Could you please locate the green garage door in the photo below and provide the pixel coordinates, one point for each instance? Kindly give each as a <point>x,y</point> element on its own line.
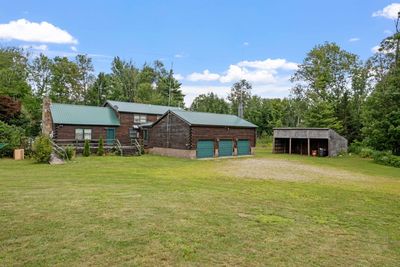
<point>243,147</point>
<point>205,149</point>
<point>225,148</point>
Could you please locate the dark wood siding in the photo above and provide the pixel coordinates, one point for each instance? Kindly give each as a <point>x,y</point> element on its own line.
<point>68,131</point>
<point>122,133</point>
<point>213,133</point>
<point>170,132</point>
<point>126,122</point>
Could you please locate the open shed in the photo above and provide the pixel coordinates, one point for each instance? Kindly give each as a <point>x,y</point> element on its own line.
<point>307,141</point>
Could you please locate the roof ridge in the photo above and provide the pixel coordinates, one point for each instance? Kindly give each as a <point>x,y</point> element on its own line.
<point>209,113</point>
<point>144,104</point>
<point>78,105</point>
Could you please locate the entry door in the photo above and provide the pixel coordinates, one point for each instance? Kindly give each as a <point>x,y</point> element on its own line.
<point>110,136</point>
<point>225,148</point>
<point>205,149</point>
<point>243,147</point>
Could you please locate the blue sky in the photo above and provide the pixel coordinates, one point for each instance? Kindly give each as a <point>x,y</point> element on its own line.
<point>211,44</point>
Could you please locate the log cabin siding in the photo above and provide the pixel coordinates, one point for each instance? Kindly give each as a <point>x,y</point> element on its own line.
<point>170,132</point>
<point>213,133</point>
<point>68,131</point>
<point>126,122</point>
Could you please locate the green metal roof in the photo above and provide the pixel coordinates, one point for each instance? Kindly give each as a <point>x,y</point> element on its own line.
<point>83,115</point>
<point>213,119</point>
<point>139,108</point>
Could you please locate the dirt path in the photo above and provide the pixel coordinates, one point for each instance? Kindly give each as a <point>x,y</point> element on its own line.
<point>287,171</point>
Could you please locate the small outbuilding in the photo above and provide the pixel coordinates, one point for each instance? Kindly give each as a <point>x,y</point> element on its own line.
<point>201,135</point>
<point>308,141</point>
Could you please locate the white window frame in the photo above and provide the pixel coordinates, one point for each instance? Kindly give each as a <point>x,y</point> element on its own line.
<point>139,118</point>
<point>87,134</point>
<point>83,134</point>
<point>79,134</point>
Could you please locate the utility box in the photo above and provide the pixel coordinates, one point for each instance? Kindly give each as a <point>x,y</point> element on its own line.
<point>19,154</point>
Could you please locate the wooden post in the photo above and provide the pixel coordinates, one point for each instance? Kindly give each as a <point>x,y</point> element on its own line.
<point>290,145</point>
<point>273,145</point>
<point>308,146</point>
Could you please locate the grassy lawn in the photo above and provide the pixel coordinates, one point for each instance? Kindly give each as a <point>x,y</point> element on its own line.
<point>154,210</point>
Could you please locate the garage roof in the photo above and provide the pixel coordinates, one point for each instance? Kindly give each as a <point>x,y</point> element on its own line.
<point>212,119</point>
<point>139,108</point>
<point>83,115</point>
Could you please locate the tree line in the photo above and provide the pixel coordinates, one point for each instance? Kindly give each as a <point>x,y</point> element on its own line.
<point>332,88</point>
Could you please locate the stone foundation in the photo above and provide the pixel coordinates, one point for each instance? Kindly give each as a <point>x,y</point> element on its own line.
<point>180,153</point>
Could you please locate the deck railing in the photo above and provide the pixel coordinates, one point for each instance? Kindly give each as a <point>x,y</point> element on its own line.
<point>81,143</point>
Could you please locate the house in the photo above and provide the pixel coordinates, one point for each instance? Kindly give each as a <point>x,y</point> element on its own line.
<point>159,129</point>
<point>133,115</point>
<point>308,141</point>
<point>118,123</point>
<point>201,135</point>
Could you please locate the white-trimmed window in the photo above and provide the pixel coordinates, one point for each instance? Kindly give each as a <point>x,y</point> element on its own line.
<point>87,134</point>
<point>83,134</point>
<point>139,118</point>
<point>78,134</point>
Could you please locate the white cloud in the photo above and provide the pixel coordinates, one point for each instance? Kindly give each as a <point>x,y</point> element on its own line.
<point>389,12</point>
<point>178,76</point>
<point>277,90</point>
<point>73,48</point>
<point>178,55</point>
<point>204,76</point>
<point>269,78</point>
<point>43,32</point>
<point>375,49</point>
<point>257,72</point>
<point>354,39</point>
<point>269,64</point>
<point>41,48</point>
<point>246,43</point>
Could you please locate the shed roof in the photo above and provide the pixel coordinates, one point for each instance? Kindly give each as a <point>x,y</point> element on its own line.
<point>83,115</point>
<point>139,108</point>
<point>212,119</point>
<point>302,128</point>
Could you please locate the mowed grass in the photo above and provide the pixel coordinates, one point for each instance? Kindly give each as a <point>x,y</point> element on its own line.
<point>153,210</point>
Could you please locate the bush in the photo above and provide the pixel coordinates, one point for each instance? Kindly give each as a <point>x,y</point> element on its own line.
<point>10,135</point>
<point>70,152</point>
<point>100,150</point>
<point>386,158</point>
<point>86,149</point>
<point>42,149</point>
<point>366,152</point>
<point>356,147</point>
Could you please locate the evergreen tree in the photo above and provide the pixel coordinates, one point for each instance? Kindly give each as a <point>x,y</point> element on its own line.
<point>86,149</point>
<point>100,150</point>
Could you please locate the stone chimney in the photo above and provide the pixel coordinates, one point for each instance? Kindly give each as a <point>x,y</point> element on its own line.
<point>47,124</point>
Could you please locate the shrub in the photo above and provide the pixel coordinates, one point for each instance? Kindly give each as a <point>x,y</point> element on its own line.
<point>100,150</point>
<point>70,152</point>
<point>386,158</point>
<point>42,149</point>
<point>86,149</point>
<point>10,135</point>
<point>366,152</point>
<point>356,147</point>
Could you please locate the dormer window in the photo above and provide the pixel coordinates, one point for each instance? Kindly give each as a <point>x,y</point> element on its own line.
<point>139,118</point>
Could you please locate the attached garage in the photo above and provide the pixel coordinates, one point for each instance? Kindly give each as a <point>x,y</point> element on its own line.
<point>201,135</point>
<point>243,147</point>
<point>205,149</point>
<point>225,148</point>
